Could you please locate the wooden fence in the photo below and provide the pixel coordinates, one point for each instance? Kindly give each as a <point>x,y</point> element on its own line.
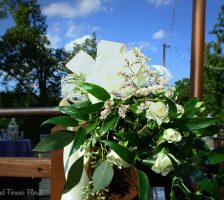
<point>51,168</point>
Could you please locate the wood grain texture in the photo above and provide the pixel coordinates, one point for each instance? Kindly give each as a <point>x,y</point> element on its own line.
<point>25,167</point>
<point>57,170</point>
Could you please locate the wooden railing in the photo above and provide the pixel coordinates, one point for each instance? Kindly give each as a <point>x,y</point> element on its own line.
<point>35,167</point>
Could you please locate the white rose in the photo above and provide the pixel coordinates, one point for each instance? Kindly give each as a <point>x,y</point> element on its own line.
<point>171,135</point>
<point>158,112</point>
<point>163,164</point>
<point>117,160</point>
<point>180,110</point>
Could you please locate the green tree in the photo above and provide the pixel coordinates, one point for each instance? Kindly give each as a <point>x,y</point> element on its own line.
<point>25,56</point>
<point>89,46</point>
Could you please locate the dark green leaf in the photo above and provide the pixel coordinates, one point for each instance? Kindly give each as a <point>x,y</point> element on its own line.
<point>96,91</point>
<point>91,108</point>
<point>74,113</point>
<point>143,186</point>
<point>122,151</point>
<point>133,138</point>
<point>196,123</point>
<point>209,131</point>
<point>216,156</point>
<point>189,107</point>
<point>80,104</point>
<point>74,175</point>
<point>62,120</point>
<point>102,176</point>
<point>80,138</point>
<point>109,124</point>
<point>148,162</point>
<point>172,108</point>
<point>55,141</point>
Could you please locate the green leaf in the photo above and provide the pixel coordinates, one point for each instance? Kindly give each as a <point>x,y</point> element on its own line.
<point>148,162</point>
<point>172,108</point>
<point>133,138</point>
<point>96,91</point>
<point>74,175</point>
<point>74,113</point>
<point>80,104</point>
<point>216,156</point>
<point>109,124</point>
<point>55,141</point>
<point>209,131</point>
<point>62,120</point>
<point>143,186</point>
<point>194,124</point>
<point>122,151</point>
<point>190,107</point>
<point>91,108</point>
<point>102,176</point>
<point>80,138</point>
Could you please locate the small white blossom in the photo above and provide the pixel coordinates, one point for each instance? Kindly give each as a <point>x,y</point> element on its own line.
<point>158,111</point>
<point>122,110</point>
<point>104,114</point>
<point>117,160</point>
<point>171,135</point>
<point>163,164</point>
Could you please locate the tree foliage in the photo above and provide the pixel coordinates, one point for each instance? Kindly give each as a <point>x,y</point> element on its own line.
<point>25,56</point>
<point>213,85</point>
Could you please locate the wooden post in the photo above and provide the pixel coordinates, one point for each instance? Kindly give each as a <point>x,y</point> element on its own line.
<point>57,170</point>
<point>197,48</point>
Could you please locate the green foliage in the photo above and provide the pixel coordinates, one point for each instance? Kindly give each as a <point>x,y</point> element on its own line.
<point>102,176</point>
<point>22,49</point>
<point>143,186</point>
<point>74,175</point>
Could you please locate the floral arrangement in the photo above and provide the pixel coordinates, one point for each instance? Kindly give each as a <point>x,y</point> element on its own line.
<point>123,116</point>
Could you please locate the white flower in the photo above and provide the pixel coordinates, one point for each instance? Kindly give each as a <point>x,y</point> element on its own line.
<point>117,160</point>
<point>180,110</point>
<point>105,70</point>
<point>163,164</point>
<point>163,72</point>
<point>157,111</point>
<point>171,135</point>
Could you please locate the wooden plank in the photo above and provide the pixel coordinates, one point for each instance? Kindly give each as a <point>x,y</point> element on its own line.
<point>57,170</point>
<point>25,167</point>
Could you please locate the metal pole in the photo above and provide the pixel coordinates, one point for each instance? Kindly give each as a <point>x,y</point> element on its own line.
<point>197,48</point>
<point>164,54</point>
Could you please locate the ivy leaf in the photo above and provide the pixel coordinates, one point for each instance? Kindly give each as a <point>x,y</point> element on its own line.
<point>62,120</point>
<point>122,151</point>
<point>95,90</point>
<point>80,138</point>
<point>102,176</point>
<point>143,186</point>
<point>109,124</point>
<point>74,175</point>
<point>55,141</point>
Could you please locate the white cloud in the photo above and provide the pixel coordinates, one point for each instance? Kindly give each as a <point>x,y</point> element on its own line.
<point>54,39</point>
<point>158,35</point>
<point>72,10</point>
<point>144,45</point>
<point>158,3</point>
<point>74,31</point>
<point>69,45</point>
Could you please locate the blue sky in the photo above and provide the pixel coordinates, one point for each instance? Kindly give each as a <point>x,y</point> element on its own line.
<point>138,23</point>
